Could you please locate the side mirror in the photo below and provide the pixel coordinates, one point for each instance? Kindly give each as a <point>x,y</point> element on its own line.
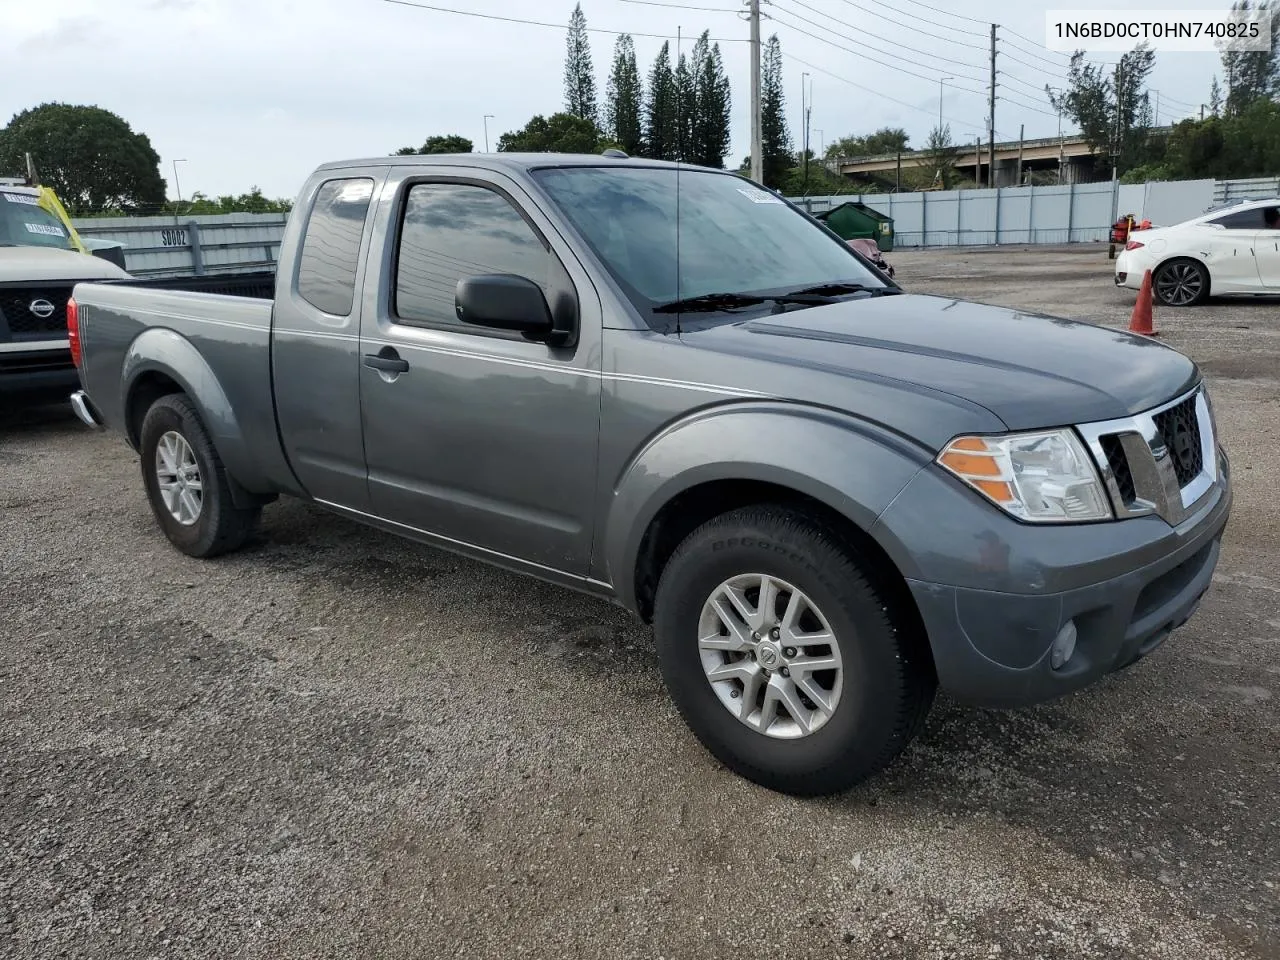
<point>505,301</point>
<point>110,254</point>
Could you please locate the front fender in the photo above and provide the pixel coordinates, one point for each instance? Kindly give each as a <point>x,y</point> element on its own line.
<point>160,350</point>
<point>851,465</point>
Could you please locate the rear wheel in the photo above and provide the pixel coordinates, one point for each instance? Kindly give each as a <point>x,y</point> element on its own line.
<point>186,482</point>
<point>1181,283</point>
<point>783,657</point>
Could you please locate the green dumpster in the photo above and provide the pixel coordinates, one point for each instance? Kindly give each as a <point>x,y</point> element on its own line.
<point>857,221</point>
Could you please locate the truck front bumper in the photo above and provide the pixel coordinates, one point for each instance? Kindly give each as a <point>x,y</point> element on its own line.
<point>37,376</point>
<point>1069,604</point>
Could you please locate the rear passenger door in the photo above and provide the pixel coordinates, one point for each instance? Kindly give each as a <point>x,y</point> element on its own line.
<point>485,439</point>
<point>315,353</point>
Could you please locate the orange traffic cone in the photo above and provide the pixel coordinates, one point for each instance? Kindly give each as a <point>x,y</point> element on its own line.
<point>1140,321</point>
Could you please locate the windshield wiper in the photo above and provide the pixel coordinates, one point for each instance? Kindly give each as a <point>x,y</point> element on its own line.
<point>709,302</point>
<point>840,289</point>
<point>729,301</point>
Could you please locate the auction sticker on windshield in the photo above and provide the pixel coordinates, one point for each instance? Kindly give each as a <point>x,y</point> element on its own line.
<point>20,198</point>
<point>758,196</point>
<point>47,229</point>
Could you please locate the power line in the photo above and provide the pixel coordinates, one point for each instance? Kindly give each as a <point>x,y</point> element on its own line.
<point>901,46</point>
<point>543,23</point>
<point>859,53</point>
<point>914,28</point>
<point>682,6</point>
<point>882,96</point>
<point>1033,42</point>
<point>948,13</point>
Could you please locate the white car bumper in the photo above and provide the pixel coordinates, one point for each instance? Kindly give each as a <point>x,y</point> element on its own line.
<point>1130,267</point>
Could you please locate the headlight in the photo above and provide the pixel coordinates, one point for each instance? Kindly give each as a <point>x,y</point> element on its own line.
<point>1043,477</point>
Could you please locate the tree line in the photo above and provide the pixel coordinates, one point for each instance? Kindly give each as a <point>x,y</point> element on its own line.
<point>678,109</point>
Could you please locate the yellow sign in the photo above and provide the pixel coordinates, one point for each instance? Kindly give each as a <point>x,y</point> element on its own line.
<point>48,200</point>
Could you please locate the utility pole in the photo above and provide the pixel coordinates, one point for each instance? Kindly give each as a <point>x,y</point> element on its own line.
<point>757,146</point>
<point>487,118</point>
<point>1062,148</point>
<point>804,138</point>
<point>1202,113</point>
<point>1022,134</point>
<point>991,120</point>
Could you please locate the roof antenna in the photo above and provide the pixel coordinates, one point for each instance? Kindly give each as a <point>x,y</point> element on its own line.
<point>679,150</point>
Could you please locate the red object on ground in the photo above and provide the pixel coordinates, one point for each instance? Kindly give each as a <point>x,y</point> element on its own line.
<point>1140,321</point>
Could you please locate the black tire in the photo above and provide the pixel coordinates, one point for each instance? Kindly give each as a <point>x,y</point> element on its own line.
<point>220,526</point>
<point>889,682</point>
<point>1171,282</point>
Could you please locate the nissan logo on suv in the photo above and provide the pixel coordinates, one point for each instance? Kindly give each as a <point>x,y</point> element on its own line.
<point>41,308</point>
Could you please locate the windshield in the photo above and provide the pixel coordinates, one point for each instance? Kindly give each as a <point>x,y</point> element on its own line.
<point>735,238</point>
<point>24,223</point>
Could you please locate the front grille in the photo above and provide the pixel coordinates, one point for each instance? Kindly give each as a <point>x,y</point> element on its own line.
<point>1179,428</point>
<point>1119,464</point>
<point>15,309</point>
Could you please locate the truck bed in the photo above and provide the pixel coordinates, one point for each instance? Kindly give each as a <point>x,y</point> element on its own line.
<point>220,343</point>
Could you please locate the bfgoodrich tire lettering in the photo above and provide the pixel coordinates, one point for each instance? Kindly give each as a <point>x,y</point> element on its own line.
<point>885,687</point>
<point>172,425</point>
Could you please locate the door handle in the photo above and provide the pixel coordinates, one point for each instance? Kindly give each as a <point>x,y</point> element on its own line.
<point>387,360</point>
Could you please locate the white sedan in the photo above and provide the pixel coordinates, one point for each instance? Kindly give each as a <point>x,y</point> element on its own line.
<point>1230,251</point>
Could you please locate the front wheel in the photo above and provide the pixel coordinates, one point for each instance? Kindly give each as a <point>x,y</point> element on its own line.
<point>785,659</point>
<point>1181,283</point>
<point>186,482</point>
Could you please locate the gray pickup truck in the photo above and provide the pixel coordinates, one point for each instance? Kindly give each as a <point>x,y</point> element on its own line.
<point>671,388</point>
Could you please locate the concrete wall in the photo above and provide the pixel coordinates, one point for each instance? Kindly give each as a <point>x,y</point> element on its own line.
<point>187,246</point>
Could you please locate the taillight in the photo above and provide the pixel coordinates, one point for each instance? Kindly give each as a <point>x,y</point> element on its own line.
<point>1133,245</point>
<point>73,330</point>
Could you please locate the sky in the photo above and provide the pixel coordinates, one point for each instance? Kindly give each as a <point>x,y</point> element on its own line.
<point>247,93</point>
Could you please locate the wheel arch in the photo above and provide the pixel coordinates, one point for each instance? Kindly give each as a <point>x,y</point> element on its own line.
<point>160,362</point>
<point>1189,258</point>
<point>839,469</point>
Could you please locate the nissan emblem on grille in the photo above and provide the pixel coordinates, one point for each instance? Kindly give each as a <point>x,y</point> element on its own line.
<point>41,308</point>
<point>1184,446</point>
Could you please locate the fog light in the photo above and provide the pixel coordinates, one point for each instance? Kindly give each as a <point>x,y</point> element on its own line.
<point>1064,645</point>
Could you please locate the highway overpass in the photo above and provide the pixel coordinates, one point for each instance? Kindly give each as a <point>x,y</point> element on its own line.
<point>1045,155</point>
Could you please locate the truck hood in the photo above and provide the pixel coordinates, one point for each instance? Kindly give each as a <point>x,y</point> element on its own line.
<point>1030,370</point>
<point>40,264</point>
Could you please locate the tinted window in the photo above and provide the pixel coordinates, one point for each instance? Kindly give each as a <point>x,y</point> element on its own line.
<point>327,265</point>
<point>1244,220</point>
<point>454,230</point>
<point>734,237</point>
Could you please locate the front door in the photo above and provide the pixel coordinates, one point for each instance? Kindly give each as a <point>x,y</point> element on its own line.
<point>479,436</point>
<point>1266,248</point>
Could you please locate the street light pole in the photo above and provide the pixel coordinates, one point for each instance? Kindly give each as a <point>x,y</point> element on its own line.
<point>487,118</point>
<point>177,187</point>
<point>941,181</point>
<point>804,118</point>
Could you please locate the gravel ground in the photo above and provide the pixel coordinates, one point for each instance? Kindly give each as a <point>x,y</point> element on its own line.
<point>339,744</point>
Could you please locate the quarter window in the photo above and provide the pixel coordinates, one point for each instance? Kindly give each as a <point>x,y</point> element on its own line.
<point>452,231</point>
<point>1244,220</point>
<point>331,247</point>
